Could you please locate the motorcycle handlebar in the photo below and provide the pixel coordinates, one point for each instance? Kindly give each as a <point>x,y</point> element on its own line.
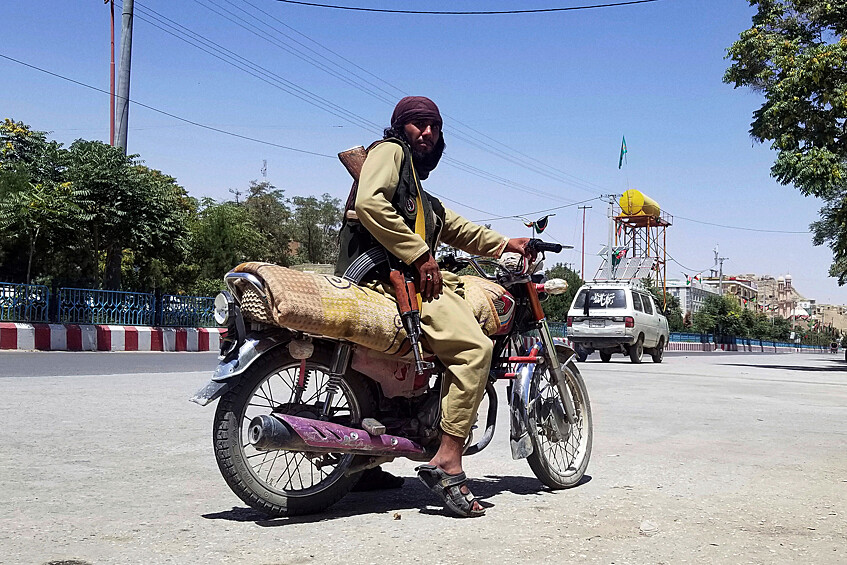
<point>539,246</point>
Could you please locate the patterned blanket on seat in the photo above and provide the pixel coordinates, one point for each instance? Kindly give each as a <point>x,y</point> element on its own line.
<point>335,307</point>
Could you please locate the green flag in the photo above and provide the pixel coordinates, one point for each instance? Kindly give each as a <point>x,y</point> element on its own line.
<point>623,152</point>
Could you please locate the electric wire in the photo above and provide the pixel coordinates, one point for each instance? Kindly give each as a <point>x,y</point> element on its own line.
<point>557,174</point>
<point>518,216</point>
<point>686,268</point>
<point>467,13</point>
<point>168,114</point>
<point>227,56</point>
<point>760,230</point>
<point>234,59</point>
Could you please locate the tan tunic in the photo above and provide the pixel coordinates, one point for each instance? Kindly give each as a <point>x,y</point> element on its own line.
<point>447,322</point>
<point>377,184</point>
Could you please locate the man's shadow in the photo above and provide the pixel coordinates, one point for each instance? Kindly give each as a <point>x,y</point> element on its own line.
<point>413,495</point>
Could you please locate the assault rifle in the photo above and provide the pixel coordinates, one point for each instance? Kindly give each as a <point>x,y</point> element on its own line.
<point>407,304</point>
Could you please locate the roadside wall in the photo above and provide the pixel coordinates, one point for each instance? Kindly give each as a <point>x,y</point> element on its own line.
<point>74,337</point>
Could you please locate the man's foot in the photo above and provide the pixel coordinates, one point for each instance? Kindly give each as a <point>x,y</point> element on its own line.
<point>377,479</point>
<point>452,489</point>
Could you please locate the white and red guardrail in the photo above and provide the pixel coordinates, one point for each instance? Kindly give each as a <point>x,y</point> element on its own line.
<point>77,337</point>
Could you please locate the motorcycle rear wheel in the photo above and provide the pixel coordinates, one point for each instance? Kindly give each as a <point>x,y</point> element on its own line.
<point>559,460</point>
<point>286,483</point>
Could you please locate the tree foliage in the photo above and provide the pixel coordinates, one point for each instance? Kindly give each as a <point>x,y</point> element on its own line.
<point>90,216</point>
<point>794,55</point>
<point>556,307</point>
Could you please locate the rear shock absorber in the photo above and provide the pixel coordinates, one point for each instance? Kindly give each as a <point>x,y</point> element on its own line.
<point>340,362</point>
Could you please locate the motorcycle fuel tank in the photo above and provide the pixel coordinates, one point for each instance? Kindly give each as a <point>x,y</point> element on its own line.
<point>505,306</point>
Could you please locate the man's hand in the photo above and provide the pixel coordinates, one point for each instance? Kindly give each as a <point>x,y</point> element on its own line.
<point>518,245</point>
<point>429,281</point>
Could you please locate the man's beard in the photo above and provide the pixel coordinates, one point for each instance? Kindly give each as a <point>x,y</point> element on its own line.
<point>425,162</point>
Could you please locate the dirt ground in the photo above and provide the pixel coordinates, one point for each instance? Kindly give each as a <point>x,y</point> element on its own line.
<point>703,459</point>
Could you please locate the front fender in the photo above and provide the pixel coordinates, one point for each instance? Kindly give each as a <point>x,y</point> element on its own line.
<point>227,372</point>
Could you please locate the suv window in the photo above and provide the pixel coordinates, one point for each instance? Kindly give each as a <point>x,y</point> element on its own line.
<point>636,302</point>
<point>648,304</point>
<point>601,298</point>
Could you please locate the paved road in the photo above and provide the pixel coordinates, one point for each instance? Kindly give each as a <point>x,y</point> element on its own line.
<point>702,459</point>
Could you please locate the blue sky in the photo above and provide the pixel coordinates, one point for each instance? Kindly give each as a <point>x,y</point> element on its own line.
<point>561,88</point>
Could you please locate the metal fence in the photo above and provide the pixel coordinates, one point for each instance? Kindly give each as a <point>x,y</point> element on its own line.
<point>187,311</point>
<point>24,302</point>
<point>86,306</point>
<point>558,329</point>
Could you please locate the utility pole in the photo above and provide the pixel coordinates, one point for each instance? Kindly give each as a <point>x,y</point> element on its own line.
<point>122,117</point>
<point>720,260</point>
<point>111,4</point>
<point>582,269</point>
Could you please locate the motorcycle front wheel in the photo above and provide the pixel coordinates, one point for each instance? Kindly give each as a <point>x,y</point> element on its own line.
<point>560,450</point>
<point>287,483</point>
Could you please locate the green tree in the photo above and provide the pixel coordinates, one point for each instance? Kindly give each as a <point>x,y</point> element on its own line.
<point>794,55</point>
<point>271,216</point>
<point>719,315</point>
<point>222,236</point>
<point>157,245</point>
<point>316,225</point>
<point>669,304</point>
<point>34,209</point>
<point>114,197</point>
<point>556,307</point>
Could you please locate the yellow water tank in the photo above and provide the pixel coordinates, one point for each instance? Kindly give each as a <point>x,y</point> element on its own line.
<point>635,203</point>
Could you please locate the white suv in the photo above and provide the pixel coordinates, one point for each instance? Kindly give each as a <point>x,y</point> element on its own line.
<point>617,317</point>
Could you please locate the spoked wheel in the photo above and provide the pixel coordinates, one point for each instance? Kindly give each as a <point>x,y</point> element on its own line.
<point>560,451</point>
<point>287,483</point>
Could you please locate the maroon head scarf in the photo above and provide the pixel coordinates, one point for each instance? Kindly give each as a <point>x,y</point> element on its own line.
<point>413,108</point>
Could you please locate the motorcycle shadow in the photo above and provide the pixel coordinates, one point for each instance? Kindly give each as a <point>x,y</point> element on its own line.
<point>412,496</point>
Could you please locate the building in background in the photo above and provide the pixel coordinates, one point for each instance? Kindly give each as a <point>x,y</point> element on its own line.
<point>691,294</point>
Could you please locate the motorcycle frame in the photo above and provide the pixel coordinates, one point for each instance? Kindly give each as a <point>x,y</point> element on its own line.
<point>249,347</point>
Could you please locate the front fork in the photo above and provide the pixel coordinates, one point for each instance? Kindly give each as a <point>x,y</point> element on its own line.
<point>520,400</point>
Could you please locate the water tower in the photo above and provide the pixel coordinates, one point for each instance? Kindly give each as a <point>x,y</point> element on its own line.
<point>639,241</point>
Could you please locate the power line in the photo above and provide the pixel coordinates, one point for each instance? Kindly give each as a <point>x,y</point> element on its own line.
<point>469,13</point>
<point>227,56</point>
<point>687,268</point>
<point>168,114</point>
<point>739,227</point>
<point>516,216</point>
<point>484,144</point>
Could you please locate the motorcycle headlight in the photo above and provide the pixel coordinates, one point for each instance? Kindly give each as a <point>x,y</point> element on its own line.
<point>223,308</point>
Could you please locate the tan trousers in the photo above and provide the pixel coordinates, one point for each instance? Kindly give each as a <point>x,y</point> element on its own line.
<point>454,335</point>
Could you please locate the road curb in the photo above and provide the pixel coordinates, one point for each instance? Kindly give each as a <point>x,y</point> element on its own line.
<point>80,337</point>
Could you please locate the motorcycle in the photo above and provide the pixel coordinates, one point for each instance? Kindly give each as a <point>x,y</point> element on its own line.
<point>300,417</point>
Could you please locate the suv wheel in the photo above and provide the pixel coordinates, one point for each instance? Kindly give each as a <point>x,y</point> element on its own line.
<point>659,352</point>
<point>636,350</point>
<point>605,357</point>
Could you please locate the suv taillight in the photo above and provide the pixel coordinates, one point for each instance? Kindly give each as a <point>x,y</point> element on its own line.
<point>570,321</point>
<point>629,322</point>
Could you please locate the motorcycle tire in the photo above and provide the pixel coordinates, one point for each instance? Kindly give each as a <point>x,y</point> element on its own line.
<point>559,462</point>
<point>251,473</point>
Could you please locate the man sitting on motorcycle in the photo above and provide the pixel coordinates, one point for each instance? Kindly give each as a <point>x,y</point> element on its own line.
<point>408,223</point>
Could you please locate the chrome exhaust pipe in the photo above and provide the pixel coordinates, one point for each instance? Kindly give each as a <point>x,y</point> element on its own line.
<point>267,433</point>
<point>291,433</point>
